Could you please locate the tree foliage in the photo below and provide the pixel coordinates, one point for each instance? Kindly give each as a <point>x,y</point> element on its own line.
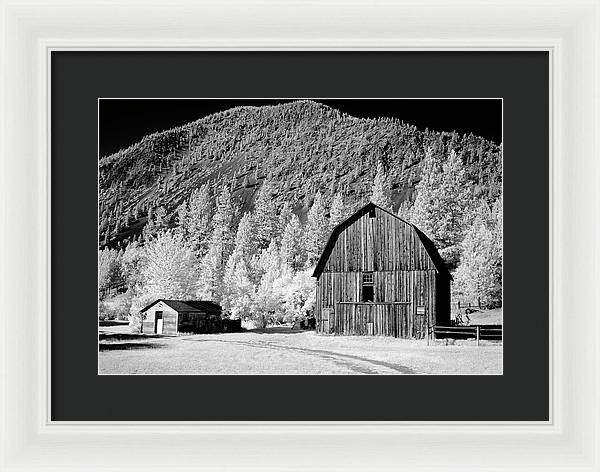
<point>381,193</point>
<point>291,244</point>
<point>337,212</point>
<point>443,201</point>
<point>316,231</point>
<point>109,269</point>
<point>170,269</point>
<point>220,247</point>
<point>265,215</point>
<point>479,275</point>
<point>194,219</point>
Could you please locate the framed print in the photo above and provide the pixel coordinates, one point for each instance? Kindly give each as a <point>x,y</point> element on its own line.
<point>235,306</point>
<point>266,237</point>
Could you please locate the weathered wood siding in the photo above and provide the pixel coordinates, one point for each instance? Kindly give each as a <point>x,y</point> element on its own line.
<point>170,319</point>
<point>408,291</point>
<point>373,319</point>
<point>383,243</point>
<point>199,322</point>
<point>342,292</point>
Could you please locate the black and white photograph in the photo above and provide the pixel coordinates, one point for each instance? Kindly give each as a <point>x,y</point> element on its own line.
<point>300,236</point>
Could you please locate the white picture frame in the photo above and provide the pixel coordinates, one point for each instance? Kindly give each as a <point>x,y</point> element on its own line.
<point>568,29</point>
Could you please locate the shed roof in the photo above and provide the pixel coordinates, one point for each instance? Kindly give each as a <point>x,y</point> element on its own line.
<point>429,246</point>
<point>182,306</point>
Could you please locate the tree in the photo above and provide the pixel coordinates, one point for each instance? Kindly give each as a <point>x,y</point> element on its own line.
<point>194,219</point>
<point>285,215</point>
<point>291,244</point>
<point>498,228</point>
<point>132,261</point>
<point>158,222</point>
<point>170,269</point>
<point>316,231</point>
<point>297,294</point>
<point>220,247</point>
<point>161,219</point>
<point>381,190</point>
<point>237,269</point>
<point>109,269</point>
<point>118,226</point>
<point>265,215</point>
<point>238,290</point>
<point>337,212</point>
<point>245,238</point>
<point>267,299</point>
<point>443,202</point>
<point>404,211</point>
<point>224,220</point>
<point>479,275</point>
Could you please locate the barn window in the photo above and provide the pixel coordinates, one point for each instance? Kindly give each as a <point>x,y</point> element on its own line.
<point>367,287</point>
<point>372,213</point>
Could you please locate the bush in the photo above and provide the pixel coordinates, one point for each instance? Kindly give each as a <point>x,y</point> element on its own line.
<point>135,322</point>
<point>116,308</point>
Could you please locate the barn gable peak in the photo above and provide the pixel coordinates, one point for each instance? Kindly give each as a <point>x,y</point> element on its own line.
<point>370,208</point>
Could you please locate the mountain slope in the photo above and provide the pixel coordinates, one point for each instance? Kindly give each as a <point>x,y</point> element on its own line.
<point>301,147</point>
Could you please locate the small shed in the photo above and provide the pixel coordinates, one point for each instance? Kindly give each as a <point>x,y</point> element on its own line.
<point>380,275</point>
<point>178,316</point>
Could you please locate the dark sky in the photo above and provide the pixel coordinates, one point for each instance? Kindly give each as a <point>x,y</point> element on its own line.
<point>125,121</point>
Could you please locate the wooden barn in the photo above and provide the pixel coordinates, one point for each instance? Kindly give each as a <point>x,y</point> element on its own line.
<point>176,316</point>
<point>380,275</point>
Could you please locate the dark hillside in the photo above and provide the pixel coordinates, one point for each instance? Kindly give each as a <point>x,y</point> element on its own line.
<point>301,146</point>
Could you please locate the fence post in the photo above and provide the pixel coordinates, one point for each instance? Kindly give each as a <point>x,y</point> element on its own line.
<point>428,333</point>
<point>477,327</point>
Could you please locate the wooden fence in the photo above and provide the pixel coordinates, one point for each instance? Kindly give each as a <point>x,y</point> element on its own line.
<point>461,305</point>
<point>478,332</point>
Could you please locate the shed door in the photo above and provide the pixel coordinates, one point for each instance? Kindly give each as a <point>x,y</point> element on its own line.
<point>158,322</point>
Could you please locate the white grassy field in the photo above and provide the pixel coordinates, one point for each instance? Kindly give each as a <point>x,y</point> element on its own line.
<point>280,351</point>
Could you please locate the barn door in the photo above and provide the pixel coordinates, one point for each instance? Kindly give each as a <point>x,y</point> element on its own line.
<point>158,322</point>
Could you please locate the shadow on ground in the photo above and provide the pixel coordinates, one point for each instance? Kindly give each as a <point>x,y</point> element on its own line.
<point>112,323</point>
<point>120,336</point>
<point>276,330</point>
<point>127,346</point>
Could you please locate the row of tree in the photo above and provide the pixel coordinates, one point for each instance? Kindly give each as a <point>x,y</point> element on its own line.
<point>259,263</point>
<point>466,230</point>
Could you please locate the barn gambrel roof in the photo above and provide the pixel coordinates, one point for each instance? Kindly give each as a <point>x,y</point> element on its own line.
<point>432,251</point>
<point>182,306</point>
